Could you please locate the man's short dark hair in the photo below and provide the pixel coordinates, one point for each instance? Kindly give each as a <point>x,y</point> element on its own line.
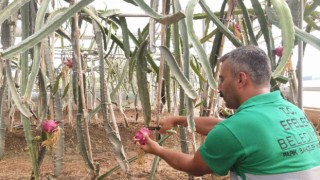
<point>252,60</point>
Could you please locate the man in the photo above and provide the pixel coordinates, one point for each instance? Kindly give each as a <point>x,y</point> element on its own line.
<point>268,138</point>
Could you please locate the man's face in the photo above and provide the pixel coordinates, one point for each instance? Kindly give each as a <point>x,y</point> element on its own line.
<point>227,86</point>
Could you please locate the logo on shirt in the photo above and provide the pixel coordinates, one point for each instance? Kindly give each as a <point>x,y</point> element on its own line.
<point>300,138</point>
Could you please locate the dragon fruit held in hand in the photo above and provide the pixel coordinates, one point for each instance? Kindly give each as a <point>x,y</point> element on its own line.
<point>139,137</point>
<point>49,126</point>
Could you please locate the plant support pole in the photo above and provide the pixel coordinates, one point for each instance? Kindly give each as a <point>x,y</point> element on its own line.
<point>300,59</point>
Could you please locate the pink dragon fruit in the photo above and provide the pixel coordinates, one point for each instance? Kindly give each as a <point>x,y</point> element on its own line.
<point>49,126</point>
<point>69,63</point>
<point>140,136</point>
<point>237,27</point>
<point>278,51</point>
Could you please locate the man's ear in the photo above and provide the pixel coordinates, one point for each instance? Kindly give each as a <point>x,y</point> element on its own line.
<point>242,78</point>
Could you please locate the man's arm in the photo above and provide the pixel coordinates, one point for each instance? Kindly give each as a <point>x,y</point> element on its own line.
<point>203,124</point>
<point>192,164</point>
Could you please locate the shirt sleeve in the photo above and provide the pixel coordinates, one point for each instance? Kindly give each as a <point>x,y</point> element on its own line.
<point>221,150</point>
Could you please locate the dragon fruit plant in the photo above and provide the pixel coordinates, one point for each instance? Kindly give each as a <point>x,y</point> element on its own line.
<point>52,130</point>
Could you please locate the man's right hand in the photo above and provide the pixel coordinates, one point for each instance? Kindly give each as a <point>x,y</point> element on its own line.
<point>166,124</point>
<point>203,124</point>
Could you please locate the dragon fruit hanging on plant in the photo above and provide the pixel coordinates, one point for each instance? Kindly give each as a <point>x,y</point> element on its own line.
<point>52,130</point>
<point>278,51</point>
<point>69,63</point>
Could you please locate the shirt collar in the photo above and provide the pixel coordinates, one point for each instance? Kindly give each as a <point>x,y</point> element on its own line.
<point>261,99</point>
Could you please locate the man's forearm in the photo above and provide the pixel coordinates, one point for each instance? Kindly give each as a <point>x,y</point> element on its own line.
<point>177,160</point>
<point>192,164</point>
<point>203,124</point>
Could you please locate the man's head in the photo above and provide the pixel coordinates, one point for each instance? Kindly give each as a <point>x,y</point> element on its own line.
<point>245,72</point>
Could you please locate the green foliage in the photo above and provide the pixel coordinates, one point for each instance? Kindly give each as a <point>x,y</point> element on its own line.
<point>287,32</point>
<point>44,31</point>
<point>12,8</point>
<point>201,53</point>
<point>184,83</point>
<point>141,72</point>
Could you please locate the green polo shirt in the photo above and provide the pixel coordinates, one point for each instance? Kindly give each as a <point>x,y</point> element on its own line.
<point>267,135</point>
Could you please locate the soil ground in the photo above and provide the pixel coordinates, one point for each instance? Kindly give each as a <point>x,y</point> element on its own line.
<point>16,164</point>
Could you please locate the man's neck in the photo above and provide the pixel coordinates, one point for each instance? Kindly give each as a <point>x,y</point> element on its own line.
<point>251,92</point>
